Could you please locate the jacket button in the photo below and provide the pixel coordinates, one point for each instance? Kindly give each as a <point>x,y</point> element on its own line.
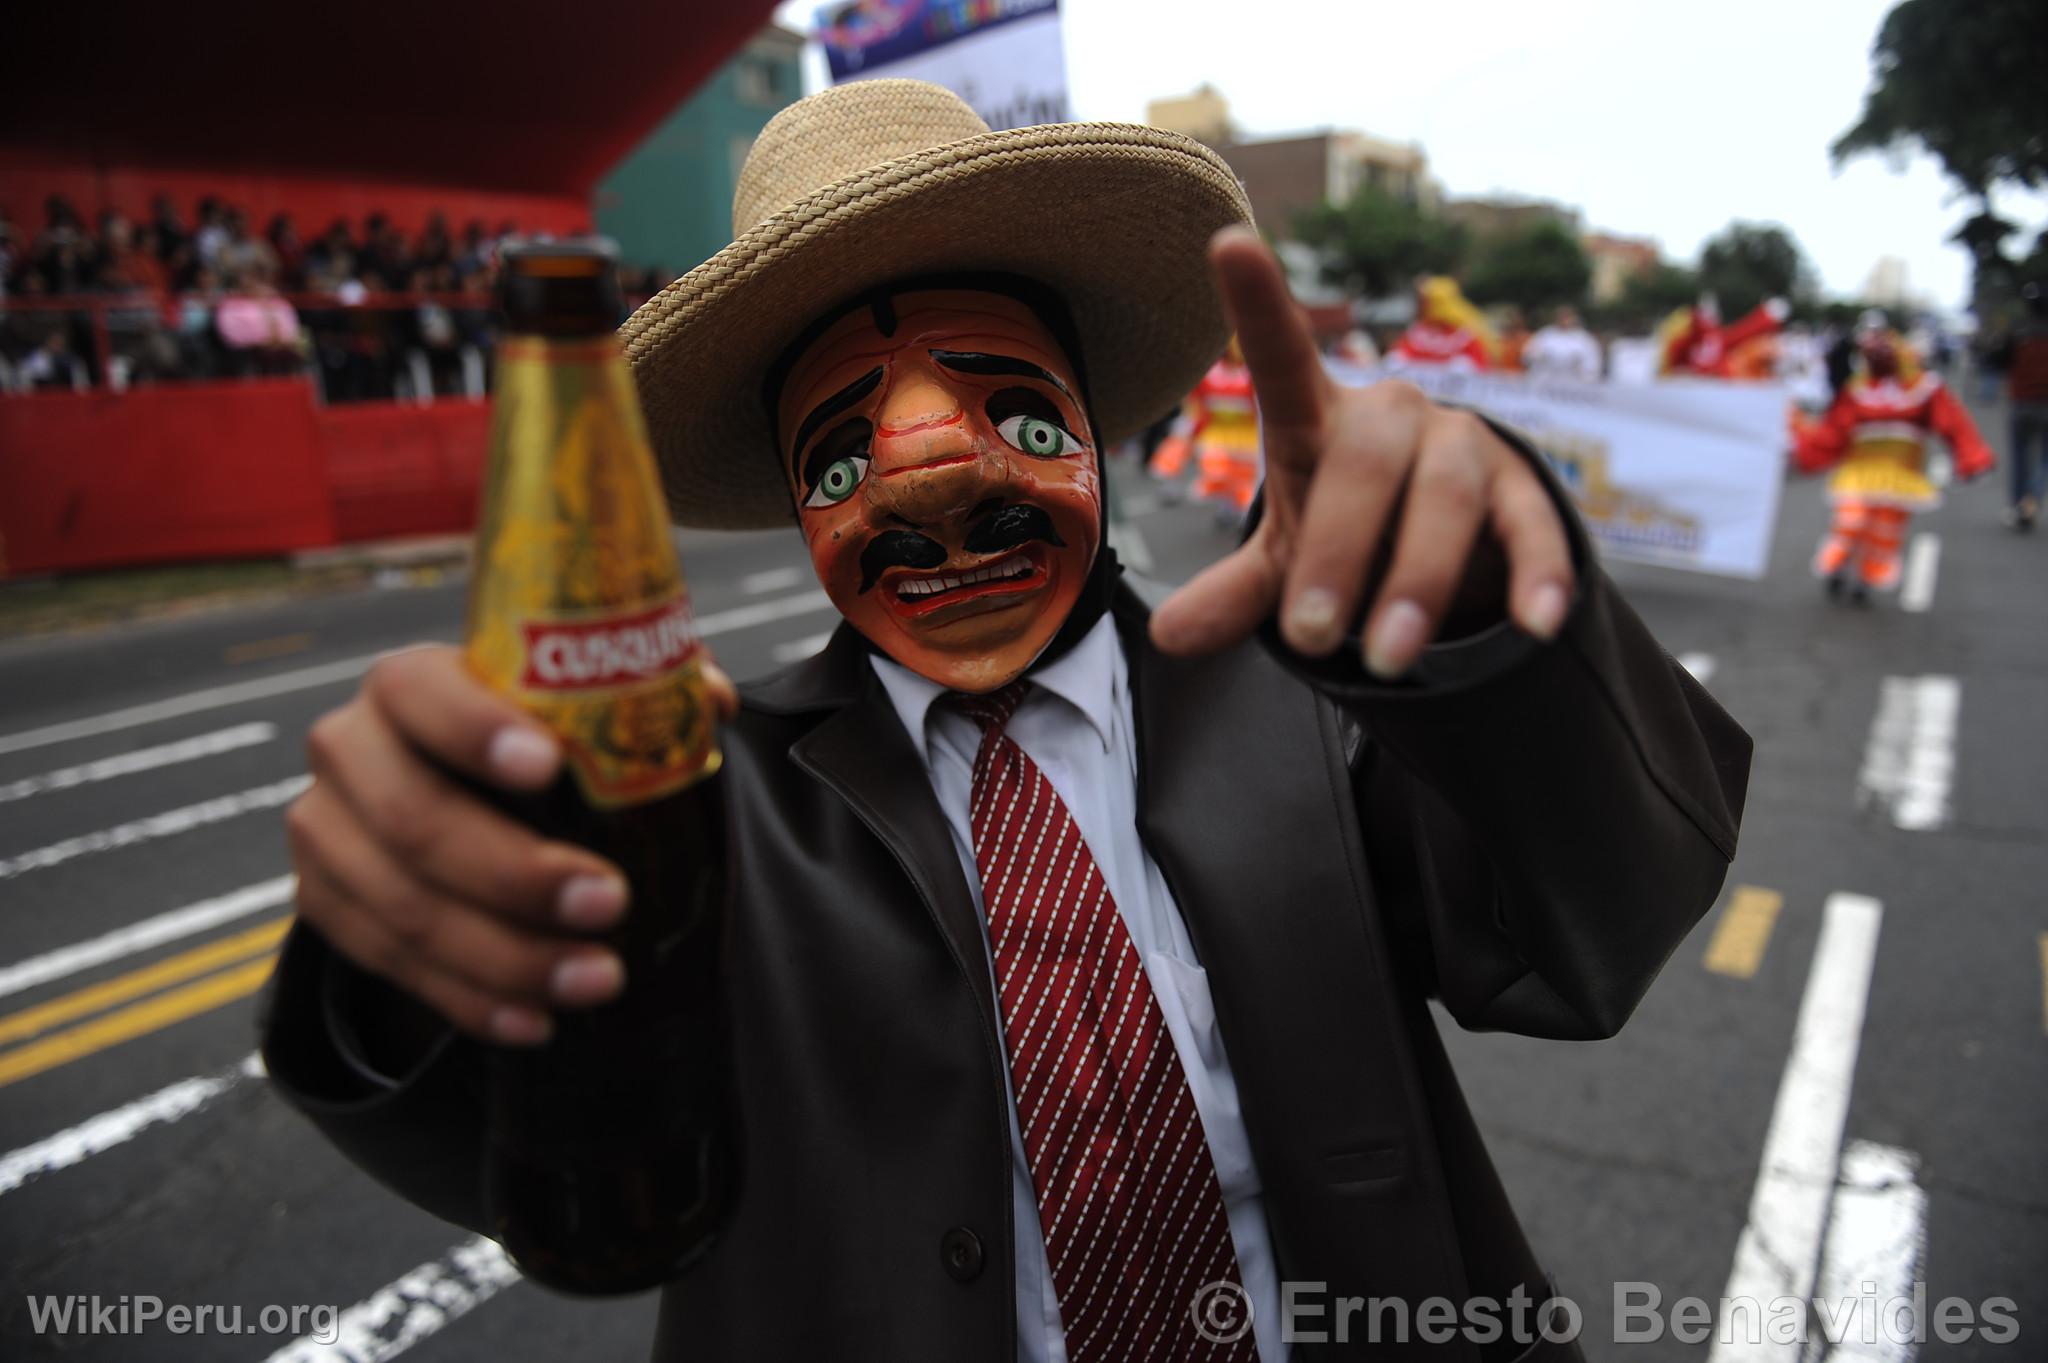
<point>960,1251</point>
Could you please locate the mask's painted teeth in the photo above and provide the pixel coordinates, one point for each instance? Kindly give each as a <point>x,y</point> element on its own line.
<point>945,582</point>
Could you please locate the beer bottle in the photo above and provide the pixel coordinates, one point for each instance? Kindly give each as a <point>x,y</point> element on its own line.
<point>609,1160</point>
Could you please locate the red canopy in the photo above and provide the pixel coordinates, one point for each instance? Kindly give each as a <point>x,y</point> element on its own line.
<point>513,96</point>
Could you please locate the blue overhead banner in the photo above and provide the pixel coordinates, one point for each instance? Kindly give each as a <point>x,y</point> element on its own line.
<point>1004,57</point>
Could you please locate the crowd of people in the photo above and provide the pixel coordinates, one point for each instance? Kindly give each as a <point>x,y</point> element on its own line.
<point>372,311</point>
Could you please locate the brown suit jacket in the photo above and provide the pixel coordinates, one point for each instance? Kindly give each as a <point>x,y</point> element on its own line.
<point>1528,844</point>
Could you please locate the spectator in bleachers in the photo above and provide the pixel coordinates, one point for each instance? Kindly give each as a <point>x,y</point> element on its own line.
<point>259,327</point>
<point>283,236</point>
<point>211,233</point>
<point>244,256</point>
<point>170,235</point>
<point>51,364</point>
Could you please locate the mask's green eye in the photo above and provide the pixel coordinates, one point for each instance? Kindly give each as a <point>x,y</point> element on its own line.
<point>838,481</point>
<point>1038,437</point>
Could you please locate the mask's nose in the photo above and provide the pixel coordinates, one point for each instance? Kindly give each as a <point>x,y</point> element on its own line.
<point>927,463</point>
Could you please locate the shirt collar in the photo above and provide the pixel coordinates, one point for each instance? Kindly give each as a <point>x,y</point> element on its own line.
<point>1085,677</point>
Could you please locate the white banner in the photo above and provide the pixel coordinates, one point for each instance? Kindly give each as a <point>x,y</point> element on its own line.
<point>1004,57</point>
<point>1684,474</point>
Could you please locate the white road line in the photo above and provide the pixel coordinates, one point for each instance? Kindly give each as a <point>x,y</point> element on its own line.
<point>142,759</point>
<point>145,935</point>
<point>211,698</point>
<point>167,824</point>
<point>772,580</point>
<point>796,649</point>
<point>1877,1237</point>
<point>80,1143</point>
<point>746,617</point>
<point>1779,1252</point>
<point>1910,759</point>
<point>1130,546</point>
<point>1701,665</point>
<point>412,1309</point>
<point>327,674</point>
<point>1923,561</point>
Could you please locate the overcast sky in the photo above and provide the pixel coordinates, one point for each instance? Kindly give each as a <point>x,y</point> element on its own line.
<point>1655,119</point>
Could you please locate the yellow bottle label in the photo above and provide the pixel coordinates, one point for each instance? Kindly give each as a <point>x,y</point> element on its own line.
<point>579,612</point>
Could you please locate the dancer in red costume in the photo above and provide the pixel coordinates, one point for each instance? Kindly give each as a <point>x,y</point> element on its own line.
<point>1875,438</point>
<point>1693,341</point>
<point>1219,426</point>
<point>1447,330</point>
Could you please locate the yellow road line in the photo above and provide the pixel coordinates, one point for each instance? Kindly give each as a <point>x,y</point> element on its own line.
<point>1744,931</point>
<point>267,648</point>
<point>136,1020</point>
<point>99,997</point>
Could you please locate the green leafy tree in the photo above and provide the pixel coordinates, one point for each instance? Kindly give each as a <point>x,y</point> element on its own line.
<point>1657,291</point>
<point>1964,79</point>
<point>1749,262</point>
<point>1533,269</point>
<point>1376,243</point>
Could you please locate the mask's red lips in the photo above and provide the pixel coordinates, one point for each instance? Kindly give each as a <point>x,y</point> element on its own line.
<point>913,593</point>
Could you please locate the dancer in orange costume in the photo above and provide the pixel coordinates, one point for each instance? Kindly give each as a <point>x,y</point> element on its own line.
<point>1875,437</point>
<point>1693,341</point>
<point>1220,427</point>
<point>1447,330</point>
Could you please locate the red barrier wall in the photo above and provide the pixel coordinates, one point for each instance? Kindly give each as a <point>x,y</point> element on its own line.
<point>93,480</point>
<point>400,469</point>
<point>155,475</point>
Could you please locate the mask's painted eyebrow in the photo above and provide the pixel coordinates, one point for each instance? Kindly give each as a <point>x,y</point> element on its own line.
<point>974,362</point>
<point>849,396</point>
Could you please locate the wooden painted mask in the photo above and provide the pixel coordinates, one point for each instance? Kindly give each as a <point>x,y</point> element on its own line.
<point>945,478</point>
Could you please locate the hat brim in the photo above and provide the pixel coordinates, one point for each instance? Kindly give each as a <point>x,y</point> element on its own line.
<point>1115,218</point>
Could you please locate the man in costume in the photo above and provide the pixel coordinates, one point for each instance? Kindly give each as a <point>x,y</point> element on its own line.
<point>1874,435</point>
<point>1219,429</point>
<point>1447,331</point>
<point>1693,341</point>
<point>1079,947</point>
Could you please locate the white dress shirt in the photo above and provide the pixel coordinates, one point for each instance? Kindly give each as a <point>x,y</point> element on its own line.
<point>1076,724</point>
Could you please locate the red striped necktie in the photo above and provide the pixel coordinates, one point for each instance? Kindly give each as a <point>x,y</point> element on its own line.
<point>1133,1217</point>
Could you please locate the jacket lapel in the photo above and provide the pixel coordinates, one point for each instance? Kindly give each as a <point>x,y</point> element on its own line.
<point>860,752</point>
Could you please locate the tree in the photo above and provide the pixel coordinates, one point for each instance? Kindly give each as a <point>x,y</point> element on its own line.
<point>1962,78</point>
<point>1749,262</point>
<point>1533,269</point>
<point>1376,243</point>
<point>1648,297</point>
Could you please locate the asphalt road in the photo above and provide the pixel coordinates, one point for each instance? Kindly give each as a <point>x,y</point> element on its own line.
<point>143,771</point>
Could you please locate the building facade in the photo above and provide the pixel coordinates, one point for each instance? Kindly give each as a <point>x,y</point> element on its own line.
<point>1616,260</point>
<point>669,202</point>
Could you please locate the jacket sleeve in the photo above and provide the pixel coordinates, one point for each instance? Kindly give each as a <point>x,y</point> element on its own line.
<point>396,1089</point>
<point>1951,421</point>
<point>1545,822</point>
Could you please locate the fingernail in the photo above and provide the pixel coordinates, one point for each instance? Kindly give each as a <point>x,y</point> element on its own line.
<point>590,901</point>
<point>1545,612</point>
<point>1396,640</point>
<point>1312,623</point>
<point>520,1027</point>
<point>521,754</point>
<point>587,979</point>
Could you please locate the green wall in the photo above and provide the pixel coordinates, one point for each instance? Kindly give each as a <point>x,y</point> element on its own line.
<point>669,202</point>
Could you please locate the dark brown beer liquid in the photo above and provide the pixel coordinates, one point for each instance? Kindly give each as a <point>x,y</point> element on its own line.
<point>609,1164</point>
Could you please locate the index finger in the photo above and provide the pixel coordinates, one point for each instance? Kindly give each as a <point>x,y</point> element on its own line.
<point>1287,372</point>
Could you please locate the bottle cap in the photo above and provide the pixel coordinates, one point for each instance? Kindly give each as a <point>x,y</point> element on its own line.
<point>567,287</point>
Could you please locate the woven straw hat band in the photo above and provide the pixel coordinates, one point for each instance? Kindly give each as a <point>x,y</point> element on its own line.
<point>840,132</point>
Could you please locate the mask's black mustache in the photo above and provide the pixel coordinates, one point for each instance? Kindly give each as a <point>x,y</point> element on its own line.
<point>1009,526</point>
<point>898,549</point>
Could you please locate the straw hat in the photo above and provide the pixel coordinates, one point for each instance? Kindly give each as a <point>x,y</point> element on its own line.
<point>877,181</point>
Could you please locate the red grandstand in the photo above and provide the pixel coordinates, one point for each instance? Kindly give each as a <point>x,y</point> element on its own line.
<point>489,115</point>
